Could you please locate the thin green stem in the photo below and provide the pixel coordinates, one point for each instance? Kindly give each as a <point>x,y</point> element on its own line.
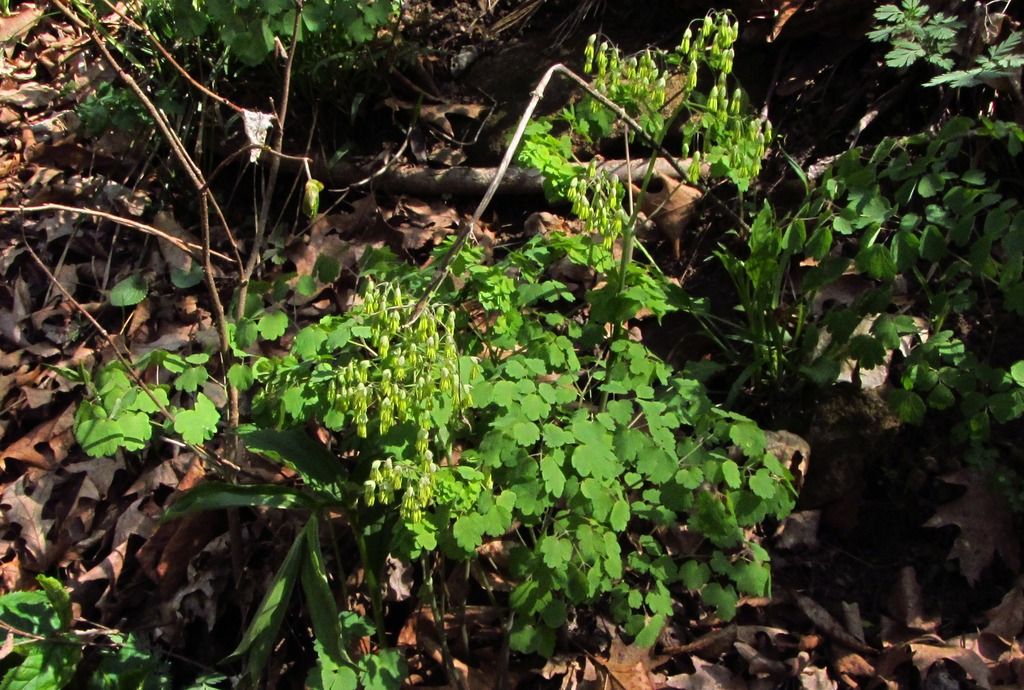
<point>372,584</point>
<point>454,677</point>
<point>342,577</point>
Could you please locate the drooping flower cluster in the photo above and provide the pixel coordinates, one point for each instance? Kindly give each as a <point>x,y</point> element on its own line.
<point>636,82</point>
<point>412,365</point>
<point>719,133</point>
<point>597,200</point>
<point>366,374</point>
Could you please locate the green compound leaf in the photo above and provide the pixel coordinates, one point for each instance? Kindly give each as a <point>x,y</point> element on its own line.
<point>762,484</point>
<point>240,376</point>
<point>649,634</point>
<point>198,424</point>
<point>723,598</point>
<point>329,675</point>
<point>619,517</point>
<point>1017,373</point>
<point>525,433</point>
<point>308,341</point>
<point>190,379</point>
<point>272,325</point>
<point>468,532</point>
<point>101,435</point>
<point>533,638</point>
<point>30,612</point>
<point>555,552</point>
<point>752,578</point>
<point>556,436</point>
<point>554,478</point>
<point>384,670</point>
<point>731,474</point>
<point>129,291</point>
<point>184,280</point>
<point>132,667</point>
<point>749,438</point>
<point>49,666</point>
<point>694,575</point>
<point>908,405</point>
<point>59,598</point>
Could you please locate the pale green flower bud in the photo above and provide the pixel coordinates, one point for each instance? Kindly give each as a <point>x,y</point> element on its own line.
<point>693,173</point>
<point>687,42</point>
<point>588,53</point>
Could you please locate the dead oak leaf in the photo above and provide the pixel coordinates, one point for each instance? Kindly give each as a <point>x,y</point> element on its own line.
<point>16,25</point>
<point>45,446</point>
<point>23,502</point>
<point>628,666</point>
<point>906,602</point>
<point>707,676</point>
<point>986,525</point>
<point>29,96</point>
<point>1006,620</point>
<point>926,655</point>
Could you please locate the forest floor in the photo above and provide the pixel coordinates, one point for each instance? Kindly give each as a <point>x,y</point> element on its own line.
<point>899,568</point>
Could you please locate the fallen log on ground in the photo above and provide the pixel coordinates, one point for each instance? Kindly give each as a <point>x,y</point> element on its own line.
<point>419,180</point>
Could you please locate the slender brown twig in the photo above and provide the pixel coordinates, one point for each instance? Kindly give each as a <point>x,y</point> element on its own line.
<point>174,63</point>
<point>192,249</point>
<point>263,219</point>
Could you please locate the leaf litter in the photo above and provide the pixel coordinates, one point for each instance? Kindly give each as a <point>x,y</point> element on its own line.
<point>98,520</point>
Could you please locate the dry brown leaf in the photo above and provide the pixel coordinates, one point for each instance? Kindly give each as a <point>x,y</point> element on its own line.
<point>398,581</point>
<point>10,319</point>
<point>707,676</point>
<point>986,525</point>
<point>709,646</point>
<point>174,255</point>
<point>1007,619</point>
<point>436,115</point>
<point>560,665</point>
<point>824,621</point>
<point>814,678</point>
<point>167,553</point>
<point>45,446</point>
<point>420,222</point>
<point>18,24</point>
<point>853,620</point>
<point>798,531</point>
<point>36,397</point>
<point>1005,658</point>
<point>905,603</point>
<point>29,96</point>
<point>635,677</point>
<point>758,635</point>
<point>792,450</point>
<point>782,12</point>
<point>23,502</point>
<point>758,664</point>
<point>629,666</point>
<point>852,664</point>
<point>671,204</point>
<point>926,655</point>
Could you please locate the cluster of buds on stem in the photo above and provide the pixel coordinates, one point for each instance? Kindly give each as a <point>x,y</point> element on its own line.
<point>597,200</point>
<point>721,121</point>
<point>373,371</point>
<point>636,82</point>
